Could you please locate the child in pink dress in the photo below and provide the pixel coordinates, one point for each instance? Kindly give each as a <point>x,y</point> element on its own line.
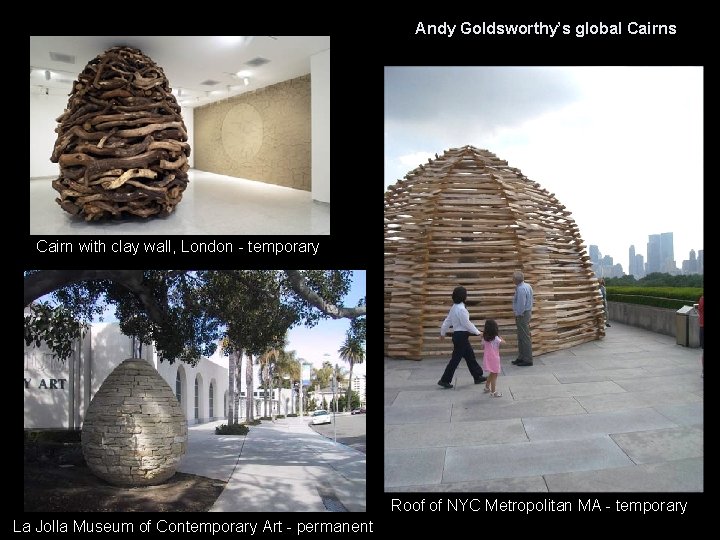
<point>491,355</point>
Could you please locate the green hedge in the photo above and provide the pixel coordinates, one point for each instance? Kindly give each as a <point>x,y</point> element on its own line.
<point>53,436</point>
<point>663,297</point>
<point>232,429</point>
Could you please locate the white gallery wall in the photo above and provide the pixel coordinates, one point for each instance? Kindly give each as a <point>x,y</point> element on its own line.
<point>44,110</point>
<point>320,106</point>
<point>188,118</point>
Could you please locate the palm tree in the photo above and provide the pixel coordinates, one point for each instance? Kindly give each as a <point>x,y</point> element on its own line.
<point>287,365</point>
<point>266,362</point>
<point>352,352</point>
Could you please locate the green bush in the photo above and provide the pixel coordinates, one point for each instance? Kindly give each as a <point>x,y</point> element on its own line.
<point>662,297</point>
<point>265,418</point>
<point>292,415</point>
<point>255,422</point>
<point>232,429</point>
<point>280,416</point>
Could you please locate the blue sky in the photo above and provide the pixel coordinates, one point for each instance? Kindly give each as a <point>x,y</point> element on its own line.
<point>322,341</point>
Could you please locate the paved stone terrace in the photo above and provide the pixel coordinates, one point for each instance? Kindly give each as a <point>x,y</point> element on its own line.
<point>621,414</point>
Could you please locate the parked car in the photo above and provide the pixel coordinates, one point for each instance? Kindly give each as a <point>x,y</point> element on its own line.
<point>361,410</point>
<point>321,417</point>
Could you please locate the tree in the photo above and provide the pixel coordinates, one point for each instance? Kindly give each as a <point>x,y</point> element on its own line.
<point>354,401</point>
<point>322,376</point>
<point>352,352</point>
<point>165,307</point>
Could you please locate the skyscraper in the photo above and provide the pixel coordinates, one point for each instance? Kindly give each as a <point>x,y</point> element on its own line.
<point>653,253</point>
<point>667,257</point>
<point>594,254</point>
<point>639,266</point>
<point>631,263</point>
<point>660,257</point>
<point>701,261</point>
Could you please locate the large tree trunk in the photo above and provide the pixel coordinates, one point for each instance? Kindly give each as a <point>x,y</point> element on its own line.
<point>238,386</point>
<point>349,390</point>
<point>271,391</point>
<point>249,412</point>
<point>231,388</point>
<point>265,374</point>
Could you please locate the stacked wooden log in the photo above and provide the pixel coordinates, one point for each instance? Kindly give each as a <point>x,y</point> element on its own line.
<point>467,218</point>
<point>122,143</point>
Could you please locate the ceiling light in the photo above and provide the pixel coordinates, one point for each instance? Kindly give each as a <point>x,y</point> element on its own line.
<point>47,75</point>
<point>232,40</point>
<point>246,81</point>
<point>244,73</point>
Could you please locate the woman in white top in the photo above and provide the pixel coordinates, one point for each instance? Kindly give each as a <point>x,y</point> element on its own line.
<point>459,319</point>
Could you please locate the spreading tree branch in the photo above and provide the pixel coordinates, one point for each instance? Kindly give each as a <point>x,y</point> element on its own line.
<point>47,281</point>
<point>300,286</point>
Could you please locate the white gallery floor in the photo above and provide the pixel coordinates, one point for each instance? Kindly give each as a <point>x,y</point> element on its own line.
<point>212,204</point>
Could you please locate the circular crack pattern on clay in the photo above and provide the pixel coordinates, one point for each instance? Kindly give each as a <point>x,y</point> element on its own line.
<point>242,133</point>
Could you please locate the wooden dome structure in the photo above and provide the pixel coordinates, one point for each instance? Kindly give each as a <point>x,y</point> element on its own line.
<point>467,218</point>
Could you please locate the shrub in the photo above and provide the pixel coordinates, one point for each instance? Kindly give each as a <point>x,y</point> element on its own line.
<point>53,436</point>
<point>662,297</point>
<point>232,429</point>
<point>292,415</point>
<point>265,418</point>
<point>280,416</point>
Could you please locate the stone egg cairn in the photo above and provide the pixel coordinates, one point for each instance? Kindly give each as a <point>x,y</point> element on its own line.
<point>121,141</point>
<point>135,432</point>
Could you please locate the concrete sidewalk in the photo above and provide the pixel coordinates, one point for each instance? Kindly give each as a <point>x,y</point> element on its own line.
<point>621,414</point>
<point>278,467</point>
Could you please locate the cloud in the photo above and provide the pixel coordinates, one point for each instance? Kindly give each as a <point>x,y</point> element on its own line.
<point>414,160</point>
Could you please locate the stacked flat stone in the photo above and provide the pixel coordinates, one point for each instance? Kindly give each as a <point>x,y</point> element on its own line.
<point>135,432</point>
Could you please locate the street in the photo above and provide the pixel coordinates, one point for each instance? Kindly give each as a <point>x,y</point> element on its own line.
<point>350,430</point>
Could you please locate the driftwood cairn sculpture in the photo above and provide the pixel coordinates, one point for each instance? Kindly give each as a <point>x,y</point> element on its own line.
<point>467,218</point>
<point>121,141</point>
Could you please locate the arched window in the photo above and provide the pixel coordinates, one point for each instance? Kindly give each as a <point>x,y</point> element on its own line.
<point>178,387</point>
<point>211,400</point>
<point>197,398</point>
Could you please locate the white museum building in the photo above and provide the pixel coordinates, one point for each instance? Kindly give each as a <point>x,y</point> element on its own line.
<point>255,111</point>
<point>57,394</point>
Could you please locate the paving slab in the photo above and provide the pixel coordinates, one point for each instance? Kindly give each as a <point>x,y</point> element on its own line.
<point>684,414</point>
<point>413,466</point>
<point>601,375</point>
<point>664,382</point>
<point>649,398</point>
<point>488,408</point>
<point>681,475</point>
<point>416,414</point>
<point>556,428</point>
<point>568,390</point>
<point>623,413</point>
<point>531,459</point>
<point>500,485</point>
<point>454,433</point>
<point>661,445</point>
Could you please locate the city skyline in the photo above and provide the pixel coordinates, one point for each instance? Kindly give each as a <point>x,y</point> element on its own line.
<point>659,262</point>
<point>620,147</point>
